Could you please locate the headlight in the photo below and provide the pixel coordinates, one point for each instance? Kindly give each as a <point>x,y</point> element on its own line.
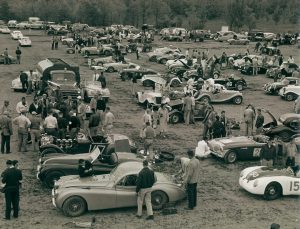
<point>255,183</point>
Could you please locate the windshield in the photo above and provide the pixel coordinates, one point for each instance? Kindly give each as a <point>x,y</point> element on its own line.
<point>95,154</point>
<point>63,77</point>
<point>117,172</point>
<point>285,81</point>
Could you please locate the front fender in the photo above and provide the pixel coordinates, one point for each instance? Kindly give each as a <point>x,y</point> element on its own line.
<point>58,149</point>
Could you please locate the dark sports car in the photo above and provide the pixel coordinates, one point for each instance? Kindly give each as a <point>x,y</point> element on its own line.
<point>274,88</point>
<point>270,50</point>
<point>11,59</point>
<point>248,70</point>
<point>232,149</point>
<point>128,73</point>
<point>53,168</point>
<point>284,128</point>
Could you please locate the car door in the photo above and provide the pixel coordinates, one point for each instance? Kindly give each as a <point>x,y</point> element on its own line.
<point>126,191</point>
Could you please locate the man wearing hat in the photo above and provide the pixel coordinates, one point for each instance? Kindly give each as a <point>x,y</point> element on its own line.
<point>7,131</point>
<point>36,123</point>
<point>23,124</point>
<point>11,177</point>
<point>6,107</point>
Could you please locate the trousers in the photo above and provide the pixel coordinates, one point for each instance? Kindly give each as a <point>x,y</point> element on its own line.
<point>192,195</point>
<point>11,199</point>
<point>22,137</point>
<point>5,143</point>
<point>144,195</point>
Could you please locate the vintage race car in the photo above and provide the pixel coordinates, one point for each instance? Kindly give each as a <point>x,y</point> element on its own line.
<point>16,84</point>
<point>241,41</point>
<point>226,35</point>
<point>161,51</point>
<point>89,51</point>
<point>165,80</point>
<point>248,70</point>
<point>270,50</point>
<point>284,128</point>
<point>274,88</point>
<point>171,64</point>
<point>290,92</point>
<point>164,58</point>
<point>128,73</point>
<point>16,35</point>
<point>151,98</point>
<point>24,42</point>
<point>67,40</point>
<point>270,182</point>
<point>103,161</point>
<point>287,69</point>
<point>23,25</point>
<point>11,59</point>
<point>232,149</point>
<point>219,94</point>
<point>238,63</point>
<point>4,30</point>
<point>74,195</point>
<point>118,66</point>
<point>92,88</point>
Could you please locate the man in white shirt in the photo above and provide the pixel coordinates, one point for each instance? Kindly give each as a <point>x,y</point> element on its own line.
<point>50,124</point>
<point>202,150</point>
<point>22,105</point>
<point>108,120</point>
<point>184,162</point>
<point>291,60</point>
<point>23,124</point>
<point>95,75</point>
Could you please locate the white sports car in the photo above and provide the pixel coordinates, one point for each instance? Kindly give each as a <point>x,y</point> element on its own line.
<point>113,67</point>
<point>270,182</point>
<point>16,35</point>
<point>16,84</point>
<point>4,30</point>
<point>25,42</point>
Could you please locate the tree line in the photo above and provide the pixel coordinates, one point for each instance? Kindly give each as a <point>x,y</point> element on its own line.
<point>191,14</point>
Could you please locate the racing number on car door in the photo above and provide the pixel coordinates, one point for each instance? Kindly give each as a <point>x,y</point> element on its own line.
<point>294,186</point>
<point>256,152</point>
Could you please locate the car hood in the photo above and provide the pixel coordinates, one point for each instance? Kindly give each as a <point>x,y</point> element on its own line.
<point>68,159</point>
<point>229,142</point>
<point>81,182</point>
<point>267,172</point>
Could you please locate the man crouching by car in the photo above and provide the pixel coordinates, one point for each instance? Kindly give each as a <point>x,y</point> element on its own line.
<point>85,168</point>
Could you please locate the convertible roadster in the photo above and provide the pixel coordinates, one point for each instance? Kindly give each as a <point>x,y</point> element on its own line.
<point>274,88</point>
<point>74,195</point>
<point>164,80</point>
<point>232,149</point>
<point>92,88</point>
<point>270,182</point>
<point>118,66</point>
<point>219,94</point>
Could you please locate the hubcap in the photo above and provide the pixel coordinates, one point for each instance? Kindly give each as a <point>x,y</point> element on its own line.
<point>157,200</point>
<point>74,207</point>
<point>272,191</point>
<point>237,100</point>
<point>232,157</point>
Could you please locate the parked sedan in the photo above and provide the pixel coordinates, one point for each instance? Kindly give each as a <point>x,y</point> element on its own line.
<point>270,182</point>
<point>74,195</point>
<point>24,42</point>
<point>241,41</point>
<point>274,88</point>
<point>16,35</point>
<point>232,149</point>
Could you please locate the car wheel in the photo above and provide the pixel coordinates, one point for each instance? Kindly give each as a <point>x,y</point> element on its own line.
<point>74,206</point>
<point>292,42</point>
<point>237,100</point>
<point>239,87</point>
<point>273,191</point>
<point>175,118</point>
<point>129,50</point>
<point>147,83</point>
<point>216,75</point>
<point>175,83</point>
<point>159,199</point>
<point>51,177</point>
<point>107,53</point>
<point>289,97</point>
<point>230,157</point>
<point>205,99</point>
<point>48,151</point>
<point>163,61</point>
<point>110,69</point>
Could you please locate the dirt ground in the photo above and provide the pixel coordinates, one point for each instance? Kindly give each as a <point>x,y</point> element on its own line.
<point>221,202</point>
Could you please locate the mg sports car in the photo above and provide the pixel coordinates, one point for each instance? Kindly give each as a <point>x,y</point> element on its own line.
<point>92,88</point>
<point>219,95</point>
<point>74,195</point>
<point>24,42</point>
<point>164,80</point>
<point>15,35</point>
<point>270,182</point>
<point>290,92</point>
<point>232,149</point>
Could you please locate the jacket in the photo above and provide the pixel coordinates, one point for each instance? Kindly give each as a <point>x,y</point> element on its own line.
<point>145,179</point>
<point>192,175</point>
<point>11,177</point>
<point>6,126</point>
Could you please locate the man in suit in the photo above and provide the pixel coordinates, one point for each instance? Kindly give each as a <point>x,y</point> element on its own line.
<point>191,179</point>
<point>7,131</point>
<point>11,177</point>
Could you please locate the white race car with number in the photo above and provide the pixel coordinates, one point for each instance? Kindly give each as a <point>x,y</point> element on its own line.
<point>270,182</point>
